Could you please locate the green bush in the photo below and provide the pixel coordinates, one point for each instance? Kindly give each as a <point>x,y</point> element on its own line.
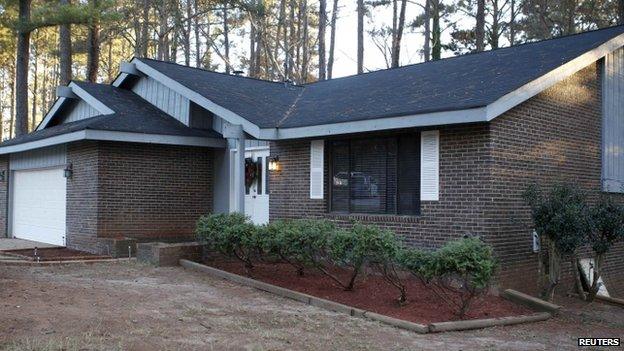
<point>415,261</point>
<point>607,219</point>
<point>460,272</point>
<point>229,234</point>
<point>365,244</point>
<point>561,216</point>
<point>300,243</point>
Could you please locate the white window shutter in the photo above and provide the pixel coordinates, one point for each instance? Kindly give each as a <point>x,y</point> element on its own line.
<point>430,165</point>
<point>316,168</point>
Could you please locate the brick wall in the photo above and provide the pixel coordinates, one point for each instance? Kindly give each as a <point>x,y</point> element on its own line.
<point>553,137</point>
<point>464,174</point>
<point>139,191</point>
<point>484,168</point>
<point>152,191</point>
<point>82,196</point>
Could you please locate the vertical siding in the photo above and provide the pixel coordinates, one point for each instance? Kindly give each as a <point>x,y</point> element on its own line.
<point>164,98</point>
<point>80,110</point>
<point>40,158</point>
<point>613,122</point>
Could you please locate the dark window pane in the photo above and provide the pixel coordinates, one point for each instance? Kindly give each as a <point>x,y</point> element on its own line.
<point>409,175</point>
<point>368,175</point>
<point>340,176</point>
<point>260,170</point>
<point>391,171</point>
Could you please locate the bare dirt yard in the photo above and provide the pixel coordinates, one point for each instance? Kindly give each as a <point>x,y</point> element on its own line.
<point>130,306</point>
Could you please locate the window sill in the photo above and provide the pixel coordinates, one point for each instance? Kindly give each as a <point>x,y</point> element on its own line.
<point>374,217</point>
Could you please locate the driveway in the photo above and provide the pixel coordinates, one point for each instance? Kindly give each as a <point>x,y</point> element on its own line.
<point>131,306</point>
<point>19,244</point>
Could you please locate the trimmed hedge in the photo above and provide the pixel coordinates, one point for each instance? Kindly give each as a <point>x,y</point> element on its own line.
<point>459,272</point>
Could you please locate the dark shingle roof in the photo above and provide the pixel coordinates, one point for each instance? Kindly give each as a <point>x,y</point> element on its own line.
<point>132,114</point>
<point>468,81</point>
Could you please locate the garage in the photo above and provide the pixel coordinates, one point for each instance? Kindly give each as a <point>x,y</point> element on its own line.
<point>38,205</point>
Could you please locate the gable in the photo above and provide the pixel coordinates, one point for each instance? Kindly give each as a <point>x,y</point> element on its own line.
<point>163,97</point>
<point>75,110</point>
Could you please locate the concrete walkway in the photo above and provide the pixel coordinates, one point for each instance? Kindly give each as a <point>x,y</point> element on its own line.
<point>19,244</point>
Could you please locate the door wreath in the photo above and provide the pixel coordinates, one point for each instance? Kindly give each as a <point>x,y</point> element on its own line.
<point>251,172</point>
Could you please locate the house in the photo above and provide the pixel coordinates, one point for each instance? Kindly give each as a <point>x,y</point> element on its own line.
<point>433,151</point>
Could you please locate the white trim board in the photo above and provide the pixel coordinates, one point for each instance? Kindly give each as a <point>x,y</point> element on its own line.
<point>84,96</point>
<point>115,136</point>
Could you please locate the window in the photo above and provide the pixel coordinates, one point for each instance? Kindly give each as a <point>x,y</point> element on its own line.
<point>613,122</point>
<point>376,175</point>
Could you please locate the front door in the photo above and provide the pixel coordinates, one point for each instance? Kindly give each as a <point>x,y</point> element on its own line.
<point>256,185</point>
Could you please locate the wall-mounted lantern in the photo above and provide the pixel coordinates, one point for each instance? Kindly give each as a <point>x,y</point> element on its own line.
<point>68,172</point>
<point>274,164</point>
<point>2,175</point>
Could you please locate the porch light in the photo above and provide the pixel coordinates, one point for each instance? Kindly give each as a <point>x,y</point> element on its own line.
<point>68,172</point>
<point>274,163</point>
<point>2,175</point>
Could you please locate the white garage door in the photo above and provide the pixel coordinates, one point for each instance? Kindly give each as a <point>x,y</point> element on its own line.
<point>38,211</point>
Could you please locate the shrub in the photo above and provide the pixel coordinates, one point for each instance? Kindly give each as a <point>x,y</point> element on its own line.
<point>300,243</point>
<point>460,272</point>
<point>562,218</point>
<point>607,228</point>
<point>364,244</point>
<point>229,234</point>
<point>415,261</point>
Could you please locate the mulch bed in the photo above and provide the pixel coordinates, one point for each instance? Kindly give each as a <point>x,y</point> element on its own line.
<point>372,293</point>
<point>55,254</point>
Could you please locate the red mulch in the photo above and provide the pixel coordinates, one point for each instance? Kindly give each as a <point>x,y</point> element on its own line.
<point>372,293</point>
<point>55,254</point>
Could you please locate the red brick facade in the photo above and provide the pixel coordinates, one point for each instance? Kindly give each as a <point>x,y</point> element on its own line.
<point>484,168</point>
<point>138,191</point>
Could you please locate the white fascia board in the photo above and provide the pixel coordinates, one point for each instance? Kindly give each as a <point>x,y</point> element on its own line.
<point>120,79</point>
<point>89,99</point>
<point>57,105</point>
<point>154,138</point>
<point>202,101</point>
<point>55,140</point>
<point>410,121</point>
<point>551,78</point>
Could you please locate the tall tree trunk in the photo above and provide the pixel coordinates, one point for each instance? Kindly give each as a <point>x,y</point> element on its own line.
<point>398,35</point>
<point>65,50</point>
<point>21,70</point>
<point>427,34</point>
<point>360,36</point>
<point>480,27</point>
<point>144,41</point>
<point>226,38</point>
<point>35,85</point>
<point>198,54</point>
<point>93,47</point>
<point>187,33</point>
<point>291,41</point>
<point>253,37</point>
<point>332,41</point>
<point>436,47</point>
<point>305,47</point>
<point>321,39</point>
<point>512,22</point>
<point>280,40</point>
<point>110,73</point>
<point>495,34</point>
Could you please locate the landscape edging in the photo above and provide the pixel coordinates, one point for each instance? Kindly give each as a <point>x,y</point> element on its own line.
<point>57,263</point>
<point>530,301</point>
<point>356,312</point>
